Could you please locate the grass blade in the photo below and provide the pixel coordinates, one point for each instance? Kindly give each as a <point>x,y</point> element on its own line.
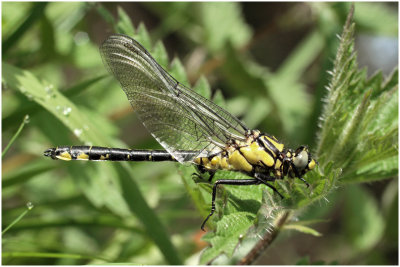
<point>25,121</point>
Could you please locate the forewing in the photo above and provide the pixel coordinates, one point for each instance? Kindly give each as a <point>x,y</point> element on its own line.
<point>175,115</point>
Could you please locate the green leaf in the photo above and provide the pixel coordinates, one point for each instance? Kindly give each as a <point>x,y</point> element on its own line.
<point>285,105</point>
<point>52,100</point>
<point>178,72</point>
<point>303,229</point>
<point>33,15</point>
<point>161,54</point>
<point>13,14</point>
<point>230,228</point>
<point>363,221</point>
<point>49,255</point>
<point>202,87</point>
<point>359,124</point>
<point>124,24</point>
<point>244,75</point>
<point>382,21</point>
<point>288,93</point>
<point>23,174</point>
<point>391,211</point>
<point>199,196</point>
<point>143,37</point>
<point>245,214</point>
<point>82,86</point>
<point>231,26</point>
<point>106,15</point>
<point>65,16</point>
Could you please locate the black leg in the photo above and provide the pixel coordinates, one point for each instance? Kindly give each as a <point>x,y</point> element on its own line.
<point>263,178</point>
<point>307,184</point>
<point>211,173</point>
<point>195,174</point>
<point>226,182</point>
<point>203,170</point>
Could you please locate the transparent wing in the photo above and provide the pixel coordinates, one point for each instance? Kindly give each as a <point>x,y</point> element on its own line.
<point>175,115</point>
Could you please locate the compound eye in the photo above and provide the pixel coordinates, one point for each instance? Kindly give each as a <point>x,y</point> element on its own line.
<point>300,161</point>
<point>301,148</point>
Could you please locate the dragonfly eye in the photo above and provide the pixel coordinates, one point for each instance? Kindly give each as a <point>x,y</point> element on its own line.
<point>300,160</point>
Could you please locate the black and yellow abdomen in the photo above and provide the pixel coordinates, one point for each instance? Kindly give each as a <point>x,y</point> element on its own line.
<point>96,153</point>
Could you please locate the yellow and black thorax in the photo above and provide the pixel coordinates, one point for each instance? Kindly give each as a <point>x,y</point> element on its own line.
<point>260,153</point>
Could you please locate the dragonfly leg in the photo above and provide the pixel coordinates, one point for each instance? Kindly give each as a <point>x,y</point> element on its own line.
<point>307,184</point>
<point>263,178</point>
<point>211,173</point>
<point>226,182</point>
<point>202,171</point>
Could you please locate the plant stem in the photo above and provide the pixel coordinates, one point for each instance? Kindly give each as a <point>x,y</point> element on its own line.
<point>264,242</point>
<point>25,121</point>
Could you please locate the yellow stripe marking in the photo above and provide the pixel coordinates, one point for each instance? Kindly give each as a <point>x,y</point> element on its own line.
<point>312,164</point>
<point>254,154</point>
<point>239,162</point>
<point>205,161</point>
<point>279,146</point>
<point>224,164</point>
<point>278,164</point>
<point>215,161</point>
<point>83,156</point>
<point>104,157</point>
<point>64,156</point>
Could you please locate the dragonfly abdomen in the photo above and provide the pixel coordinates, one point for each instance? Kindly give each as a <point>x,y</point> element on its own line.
<point>108,154</point>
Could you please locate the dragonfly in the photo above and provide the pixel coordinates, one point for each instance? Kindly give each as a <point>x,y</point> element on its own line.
<point>190,128</point>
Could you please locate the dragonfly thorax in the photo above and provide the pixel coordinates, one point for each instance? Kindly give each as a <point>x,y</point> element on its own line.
<point>259,153</point>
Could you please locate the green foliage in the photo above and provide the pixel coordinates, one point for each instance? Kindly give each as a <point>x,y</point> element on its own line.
<point>96,213</point>
<point>231,27</point>
<point>121,196</point>
<point>118,195</point>
<point>25,121</point>
<point>364,222</point>
<point>359,126</point>
<point>377,21</point>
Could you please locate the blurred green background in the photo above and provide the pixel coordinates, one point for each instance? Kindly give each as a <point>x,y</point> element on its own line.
<point>269,61</point>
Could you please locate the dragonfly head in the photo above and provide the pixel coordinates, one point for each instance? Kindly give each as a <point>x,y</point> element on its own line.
<point>301,162</point>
